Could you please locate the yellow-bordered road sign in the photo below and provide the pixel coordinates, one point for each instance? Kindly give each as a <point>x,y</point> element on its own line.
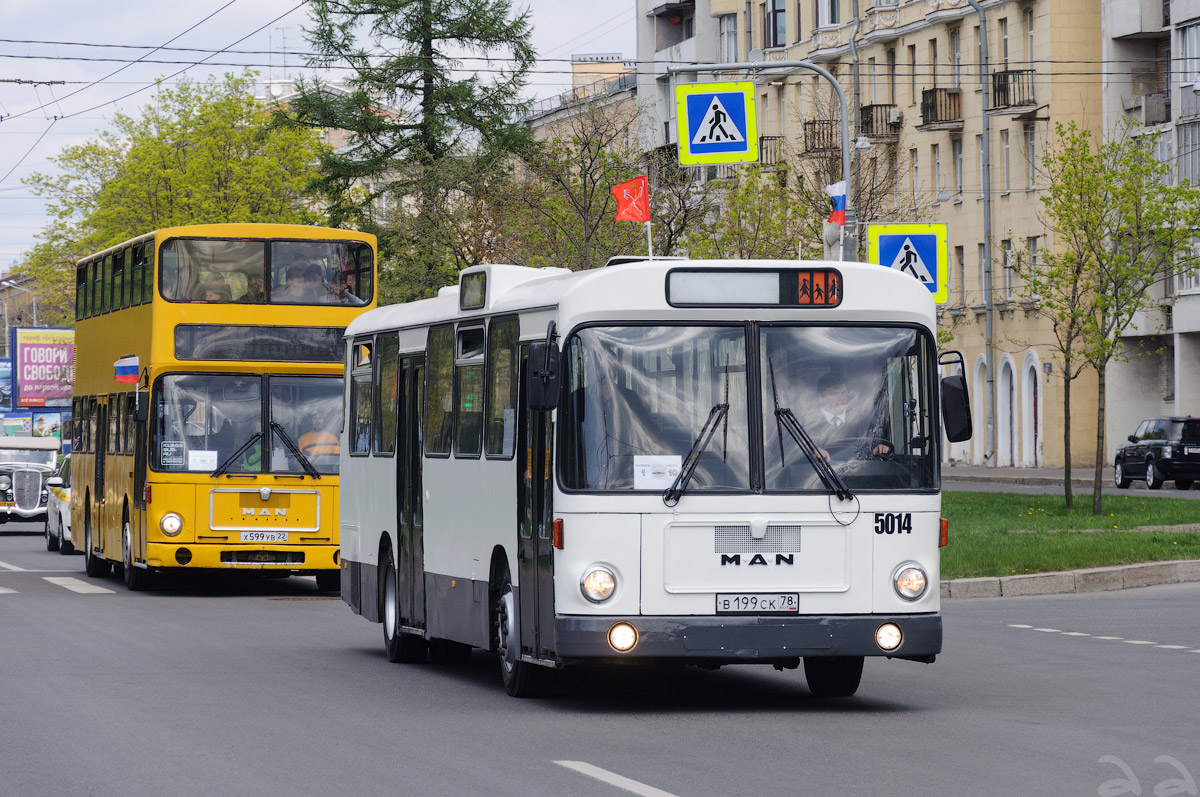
<point>717,123</point>
<point>915,249</point>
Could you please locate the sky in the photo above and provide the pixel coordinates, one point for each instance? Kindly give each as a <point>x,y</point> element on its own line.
<point>38,48</point>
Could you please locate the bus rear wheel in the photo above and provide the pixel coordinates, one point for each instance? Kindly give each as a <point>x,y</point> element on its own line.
<point>93,565</point>
<point>136,578</point>
<point>521,678</point>
<point>402,648</point>
<point>833,676</point>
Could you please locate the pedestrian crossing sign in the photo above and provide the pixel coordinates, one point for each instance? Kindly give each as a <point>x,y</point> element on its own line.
<point>918,250</point>
<point>716,123</point>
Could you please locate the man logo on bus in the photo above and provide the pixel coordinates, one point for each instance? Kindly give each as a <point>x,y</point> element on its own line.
<point>758,559</point>
<point>264,512</point>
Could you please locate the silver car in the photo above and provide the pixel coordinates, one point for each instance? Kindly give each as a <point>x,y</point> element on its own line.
<point>25,464</point>
<point>58,510</point>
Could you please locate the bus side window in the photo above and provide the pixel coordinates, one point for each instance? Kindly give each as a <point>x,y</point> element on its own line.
<point>130,421</point>
<point>138,274</point>
<point>387,391</point>
<point>439,393</point>
<point>468,392</point>
<point>96,278</point>
<point>502,387</point>
<point>119,298</point>
<point>81,295</point>
<point>106,289</point>
<point>360,398</point>
<point>114,419</point>
<point>92,415</point>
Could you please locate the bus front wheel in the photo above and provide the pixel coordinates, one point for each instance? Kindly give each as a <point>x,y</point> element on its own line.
<point>833,676</point>
<point>521,678</point>
<point>136,578</point>
<point>402,648</point>
<point>93,565</point>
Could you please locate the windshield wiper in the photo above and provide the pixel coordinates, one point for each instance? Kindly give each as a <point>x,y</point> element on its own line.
<point>786,419</point>
<point>228,463</point>
<point>287,441</point>
<point>715,415</point>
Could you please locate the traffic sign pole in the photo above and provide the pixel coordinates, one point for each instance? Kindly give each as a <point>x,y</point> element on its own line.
<point>850,239</point>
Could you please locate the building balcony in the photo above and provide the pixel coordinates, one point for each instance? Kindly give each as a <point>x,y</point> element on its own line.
<point>941,109</point>
<point>770,150</point>
<point>880,122</point>
<point>1012,88</point>
<point>822,136</point>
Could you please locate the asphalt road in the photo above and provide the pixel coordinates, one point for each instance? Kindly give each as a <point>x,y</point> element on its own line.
<point>269,687</point>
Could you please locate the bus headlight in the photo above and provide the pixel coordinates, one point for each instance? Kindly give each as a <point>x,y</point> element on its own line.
<point>598,584</point>
<point>910,581</point>
<point>171,524</point>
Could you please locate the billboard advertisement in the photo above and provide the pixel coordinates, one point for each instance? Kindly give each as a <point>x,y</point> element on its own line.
<point>43,367</point>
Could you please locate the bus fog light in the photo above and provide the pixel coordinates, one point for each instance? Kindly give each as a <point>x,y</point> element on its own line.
<point>888,636</point>
<point>910,581</point>
<point>622,636</point>
<point>171,524</point>
<point>598,584</point>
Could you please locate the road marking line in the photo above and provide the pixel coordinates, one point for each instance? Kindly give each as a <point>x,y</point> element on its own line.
<point>613,779</point>
<point>1075,633</point>
<point>7,591</point>
<point>1172,647</point>
<point>1116,638</point>
<point>1019,625</point>
<point>75,585</point>
<point>1049,630</point>
<point>1139,642</point>
<point>7,566</point>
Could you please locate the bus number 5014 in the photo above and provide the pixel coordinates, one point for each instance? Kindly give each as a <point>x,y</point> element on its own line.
<point>893,522</point>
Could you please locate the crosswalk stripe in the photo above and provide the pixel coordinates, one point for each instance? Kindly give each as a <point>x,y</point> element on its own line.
<point>7,591</point>
<point>14,568</point>
<point>75,585</point>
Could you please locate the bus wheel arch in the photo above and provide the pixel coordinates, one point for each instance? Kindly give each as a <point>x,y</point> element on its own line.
<point>136,578</point>
<point>400,647</point>
<point>521,678</point>
<point>94,566</point>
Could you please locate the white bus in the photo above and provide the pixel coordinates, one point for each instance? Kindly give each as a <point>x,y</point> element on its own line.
<point>637,464</point>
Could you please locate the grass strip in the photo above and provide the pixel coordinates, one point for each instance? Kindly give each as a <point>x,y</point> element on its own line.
<point>982,542</point>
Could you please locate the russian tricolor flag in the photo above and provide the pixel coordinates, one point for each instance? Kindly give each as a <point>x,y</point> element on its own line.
<point>126,369</point>
<point>837,192</point>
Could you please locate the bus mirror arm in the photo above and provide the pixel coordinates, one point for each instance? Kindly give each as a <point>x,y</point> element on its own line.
<point>541,383</point>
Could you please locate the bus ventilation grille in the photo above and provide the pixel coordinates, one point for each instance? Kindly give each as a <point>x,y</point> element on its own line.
<point>738,539</point>
<point>27,489</point>
<point>262,557</point>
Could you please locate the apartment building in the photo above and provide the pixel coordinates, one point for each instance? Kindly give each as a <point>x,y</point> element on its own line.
<point>1152,77</point>
<point>910,71</point>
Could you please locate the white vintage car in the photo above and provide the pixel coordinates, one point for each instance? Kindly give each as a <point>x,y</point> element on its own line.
<point>25,464</point>
<point>58,510</point>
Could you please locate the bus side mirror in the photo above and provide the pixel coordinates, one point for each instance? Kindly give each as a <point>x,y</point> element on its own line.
<point>956,408</point>
<point>956,404</point>
<point>541,376</point>
<point>143,407</point>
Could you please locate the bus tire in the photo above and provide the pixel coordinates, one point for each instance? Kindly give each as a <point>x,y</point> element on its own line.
<point>93,565</point>
<point>51,537</point>
<point>833,676</point>
<point>136,578</point>
<point>521,678</point>
<point>64,545</point>
<point>329,580</point>
<point>401,648</point>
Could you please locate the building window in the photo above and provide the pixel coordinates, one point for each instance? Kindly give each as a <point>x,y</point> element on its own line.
<point>936,151</point>
<point>1188,163</point>
<point>1004,41</point>
<point>955,58</point>
<point>728,38</point>
<point>916,181</point>
<point>1031,251</point>
<point>1006,253</point>
<point>1029,39</point>
<point>828,13</point>
<point>979,150</point>
<point>956,147</point>
<point>960,260</point>
<point>894,164</point>
<point>1004,155</point>
<point>1189,54</point>
<point>984,286</point>
<point>912,74</point>
<point>775,23</point>
<point>872,76</point>
<point>933,60</point>
<point>891,67</point>
<point>1030,157</point>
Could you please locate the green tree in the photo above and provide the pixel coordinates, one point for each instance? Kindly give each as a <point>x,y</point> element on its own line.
<point>1119,227</point>
<point>201,152</point>
<point>759,219</point>
<point>407,111</point>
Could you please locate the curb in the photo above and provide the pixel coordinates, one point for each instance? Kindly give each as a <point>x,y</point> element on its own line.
<point>1040,481</point>
<point>1096,579</point>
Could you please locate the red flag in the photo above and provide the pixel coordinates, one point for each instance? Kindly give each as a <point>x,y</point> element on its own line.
<point>633,199</point>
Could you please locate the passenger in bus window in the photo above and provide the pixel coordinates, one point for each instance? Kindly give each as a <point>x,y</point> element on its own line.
<point>340,290</point>
<point>843,430</point>
<point>318,440</point>
<point>215,289</point>
<point>255,293</point>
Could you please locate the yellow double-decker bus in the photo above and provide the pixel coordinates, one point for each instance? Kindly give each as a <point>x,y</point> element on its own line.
<point>207,398</point>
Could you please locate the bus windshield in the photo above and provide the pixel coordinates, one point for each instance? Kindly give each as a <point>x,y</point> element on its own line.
<point>202,420</point>
<point>863,396</point>
<point>638,396</point>
<point>262,272</point>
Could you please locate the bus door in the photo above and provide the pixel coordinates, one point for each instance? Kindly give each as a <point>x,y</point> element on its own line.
<point>411,573</point>
<point>535,551</point>
<point>100,446</point>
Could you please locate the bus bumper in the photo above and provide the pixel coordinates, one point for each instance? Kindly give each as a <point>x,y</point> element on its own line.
<point>209,556</point>
<point>735,639</point>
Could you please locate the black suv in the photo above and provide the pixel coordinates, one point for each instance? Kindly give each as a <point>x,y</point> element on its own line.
<point>1162,449</point>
